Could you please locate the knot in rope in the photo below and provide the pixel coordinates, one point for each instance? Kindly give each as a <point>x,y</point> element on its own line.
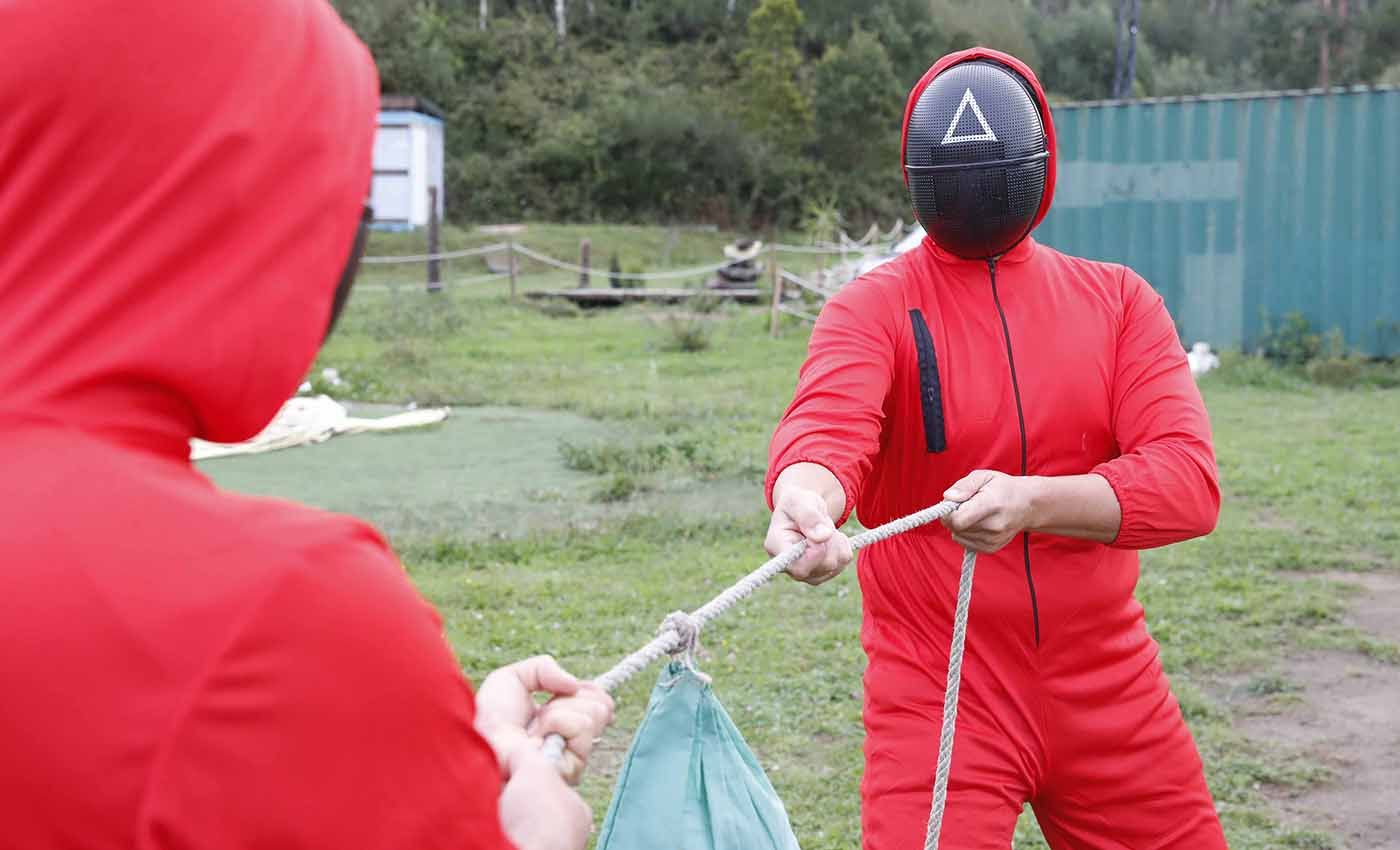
<point>686,627</point>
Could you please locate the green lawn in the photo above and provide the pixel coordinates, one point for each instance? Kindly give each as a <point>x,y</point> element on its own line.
<point>1310,476</point>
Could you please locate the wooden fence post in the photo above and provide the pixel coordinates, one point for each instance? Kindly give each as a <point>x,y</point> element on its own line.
<point>434,242</point>
<point>777,293</point>
<point>585,248</point>
<point>510,264</point>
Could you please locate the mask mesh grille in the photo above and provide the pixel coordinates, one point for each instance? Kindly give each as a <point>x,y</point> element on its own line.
<point>976,211</point>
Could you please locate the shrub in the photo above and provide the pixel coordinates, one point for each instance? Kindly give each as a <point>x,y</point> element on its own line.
<point>686,332</point>
<point>1293,342</point>
<point>1244,370</point>
<point>619,488</point>
<point>641,459</point>
<point>1336,371</point>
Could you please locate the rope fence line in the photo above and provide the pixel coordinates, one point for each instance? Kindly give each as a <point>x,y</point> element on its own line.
<point>444,255</point>
<point>872,240</point>
<point>666,275</point>
<point>782,279</point>
<point>817,249</point>
<point>680,631</point>
<point>789,277</point>
<point>390,286</point>
<point>801,314</point>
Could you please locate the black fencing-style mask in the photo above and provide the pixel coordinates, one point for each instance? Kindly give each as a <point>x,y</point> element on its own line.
<point>976,159</point>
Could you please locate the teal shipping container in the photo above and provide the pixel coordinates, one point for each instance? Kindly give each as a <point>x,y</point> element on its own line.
<point>1242,209</point>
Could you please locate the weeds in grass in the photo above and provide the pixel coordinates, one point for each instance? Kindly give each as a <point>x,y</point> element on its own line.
<point>686,331</point>
<point>1336,371</point>
<point>559,308</point>
<point>406,353</point>
<point>640,459</point>
<point>1267,684</point>
<point>1245,370</point>
<point>620,487</point>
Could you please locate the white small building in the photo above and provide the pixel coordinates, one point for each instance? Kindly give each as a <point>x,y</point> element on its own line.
<point>407,162</point>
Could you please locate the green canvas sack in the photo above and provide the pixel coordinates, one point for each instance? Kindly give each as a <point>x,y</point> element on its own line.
<point>690,782</point>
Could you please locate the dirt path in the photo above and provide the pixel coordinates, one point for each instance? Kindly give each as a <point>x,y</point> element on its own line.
<point>1346,717</point>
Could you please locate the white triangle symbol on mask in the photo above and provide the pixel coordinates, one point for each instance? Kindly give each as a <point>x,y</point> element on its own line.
<point>986,135</point>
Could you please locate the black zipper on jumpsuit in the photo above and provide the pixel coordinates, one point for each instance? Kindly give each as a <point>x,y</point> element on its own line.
<point>1020,421</point>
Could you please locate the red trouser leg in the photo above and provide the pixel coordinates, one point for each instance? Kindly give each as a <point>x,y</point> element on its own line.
<point>1124,772</point>
<point>904,685</point>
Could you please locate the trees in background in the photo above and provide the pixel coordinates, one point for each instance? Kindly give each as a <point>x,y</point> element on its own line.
<point>743,112</point>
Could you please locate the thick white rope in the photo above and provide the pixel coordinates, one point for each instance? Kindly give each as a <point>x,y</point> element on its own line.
<point>950,703</point>
<point>680,630</point>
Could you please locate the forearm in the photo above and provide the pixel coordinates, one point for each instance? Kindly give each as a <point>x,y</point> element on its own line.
<point>813,476</point>
<point>1082,506</point>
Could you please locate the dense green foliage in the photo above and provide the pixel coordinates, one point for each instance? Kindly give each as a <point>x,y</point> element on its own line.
<point>738,112</point>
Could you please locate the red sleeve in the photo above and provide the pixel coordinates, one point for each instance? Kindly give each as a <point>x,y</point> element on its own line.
<point>1165,477</point>
<point>838,409</point>
<point>335,716</point>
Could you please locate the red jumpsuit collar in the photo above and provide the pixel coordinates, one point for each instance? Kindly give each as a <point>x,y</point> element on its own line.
<point>1019,254</point>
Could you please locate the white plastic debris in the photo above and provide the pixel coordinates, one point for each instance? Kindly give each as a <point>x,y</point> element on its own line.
<point>314,419</point>
<point>1201,358</point>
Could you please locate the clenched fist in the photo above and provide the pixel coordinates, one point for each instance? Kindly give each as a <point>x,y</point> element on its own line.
<point>802,514</point>
<point>995,508</point>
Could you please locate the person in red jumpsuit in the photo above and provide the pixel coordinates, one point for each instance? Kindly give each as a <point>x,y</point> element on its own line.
<point>1052,397</point>
<point>181,184</point>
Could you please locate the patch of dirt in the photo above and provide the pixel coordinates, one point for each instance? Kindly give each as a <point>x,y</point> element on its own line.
<point>1376,610</point>
<point>1346,717</point>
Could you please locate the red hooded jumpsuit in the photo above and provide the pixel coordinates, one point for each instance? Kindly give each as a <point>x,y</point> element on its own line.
<point>930,367</point>
<point>182,667</point>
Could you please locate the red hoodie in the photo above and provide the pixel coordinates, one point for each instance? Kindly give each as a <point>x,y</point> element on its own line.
<point>183,667</point>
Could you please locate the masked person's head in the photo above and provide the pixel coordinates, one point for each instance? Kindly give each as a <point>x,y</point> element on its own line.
<point>976,157</point>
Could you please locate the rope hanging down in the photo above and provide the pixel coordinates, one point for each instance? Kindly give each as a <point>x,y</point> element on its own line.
<point>679,631</point>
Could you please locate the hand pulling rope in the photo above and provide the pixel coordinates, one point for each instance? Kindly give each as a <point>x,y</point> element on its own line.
<point>680,630</point>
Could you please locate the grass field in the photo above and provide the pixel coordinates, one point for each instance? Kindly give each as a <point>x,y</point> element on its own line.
<point>650,466</point>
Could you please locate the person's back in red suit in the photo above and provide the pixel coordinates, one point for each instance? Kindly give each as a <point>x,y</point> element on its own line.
<point>179,666</point>
<point>1054,375</point>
